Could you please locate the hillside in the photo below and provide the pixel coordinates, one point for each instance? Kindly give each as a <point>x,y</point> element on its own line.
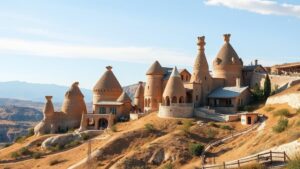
<point>133,145</point>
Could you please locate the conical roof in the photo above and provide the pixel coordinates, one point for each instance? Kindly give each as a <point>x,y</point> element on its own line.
<point>124,98</point>
<point>227,54</point>
<point>139,93</point>
<point>155,69</point>
<point>174,85</point>
<point>74,91</point>
<point>108,81</point>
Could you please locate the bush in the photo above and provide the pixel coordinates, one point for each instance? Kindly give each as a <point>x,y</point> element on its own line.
<point>30,132</point>
<point>281,125</point>
<point>282,112</point>
<point>113,128</point>
<point>84,136</point>
<point>36,155</point>
<point>24,151</point>
<point>210,133</point>
<point>187,124</point>
<point>149,127</point>
<point>268,109</point>
<point>19,139</point>
<point>15,155</point>
<point>225,127</point>
<point>72,144</point>
<point>196,149</point>
<point>56,148</point>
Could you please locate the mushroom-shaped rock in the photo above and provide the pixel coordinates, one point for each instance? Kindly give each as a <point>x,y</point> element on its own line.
<point>174,89</point>
<point>74,106</point>
<point>107,88</point>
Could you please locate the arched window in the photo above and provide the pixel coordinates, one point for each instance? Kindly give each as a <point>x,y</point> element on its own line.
<point>174,99</point>
<point>149,103</point>
<point>181,99</point>
<point>146,103</point>
<point>167,101</point>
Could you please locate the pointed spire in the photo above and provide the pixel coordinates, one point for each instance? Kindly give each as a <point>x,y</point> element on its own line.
<point>124,97</point>
<point>175,72</point>
<point>155,69</point>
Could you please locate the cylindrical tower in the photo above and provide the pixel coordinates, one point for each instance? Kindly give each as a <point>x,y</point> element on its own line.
<point>227,64</point>
<point>139,97</point>
<point>107,88</point>
<point>153,88</point>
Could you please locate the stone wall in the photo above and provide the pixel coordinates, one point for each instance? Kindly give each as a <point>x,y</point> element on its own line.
<point>179,111</point>
<point>292,100</point>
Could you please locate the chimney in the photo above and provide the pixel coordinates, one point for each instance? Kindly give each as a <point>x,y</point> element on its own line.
<point>256,62</point>
<point>108,68</point>
<point>227,38</point>
<point>48,98</point>
<point>201,43</point>
<point>238,82</point>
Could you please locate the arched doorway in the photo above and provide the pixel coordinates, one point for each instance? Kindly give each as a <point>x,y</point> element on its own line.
<point>181,99</point>
<point>167,101</point>
<point>103,123</point>
<point>174,99</point>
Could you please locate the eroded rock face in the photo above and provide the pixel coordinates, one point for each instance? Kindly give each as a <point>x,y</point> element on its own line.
<point>60,140</point>
<point>158,157</point>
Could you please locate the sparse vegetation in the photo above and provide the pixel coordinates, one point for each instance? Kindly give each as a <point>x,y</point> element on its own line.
<point>36,155</point>
<point>267,87</point>
<point>72,144</point>
<point>294,163</point>
<point>149,127</point>
<point>196,149</point>
<point>282,124</point>
<point>113,128</point>
<point>226,127</point>
<point>210,133</point>
<point>298,111</point>
<point>269,109</point>
<point>212,124</point>
<point>168,166</point>
<point>84,136</point>
<point>282,113</point>
<point>187,124</point>
<point>15,155</point>
<point>55,161</point>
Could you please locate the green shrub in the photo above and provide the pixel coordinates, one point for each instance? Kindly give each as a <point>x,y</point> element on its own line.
<point>211,133</point>
<point>196,149</point>
<point>56,148</point>
<point>282,112</point>
<point>149,127</point>
<point>36,155</point>
<point>15,155</point>
<point>225,127</point>
<point>187,124</point>
<point>281,125</point>
<point>72,144</point>
<point>20,139</point>
<point>30,132</point>
<point>24,151</point>
<point>113,128</point>
<point>84,136</point>
<point>269,109</point>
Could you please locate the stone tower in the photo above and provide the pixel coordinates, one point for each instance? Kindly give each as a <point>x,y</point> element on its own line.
<point>107,88</point>
<point>47,125</point>
<point>73,106</point>
<point>153,88</point>
<point>227,64</point>
<point>201,78</point>
<point>139,97</point>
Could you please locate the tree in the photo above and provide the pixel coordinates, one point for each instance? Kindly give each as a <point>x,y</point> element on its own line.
<point>267,87</point>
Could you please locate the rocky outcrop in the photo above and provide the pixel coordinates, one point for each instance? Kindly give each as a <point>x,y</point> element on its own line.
<point>292,100</point>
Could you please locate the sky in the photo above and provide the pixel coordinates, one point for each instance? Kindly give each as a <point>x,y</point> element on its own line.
<point>59,42</point>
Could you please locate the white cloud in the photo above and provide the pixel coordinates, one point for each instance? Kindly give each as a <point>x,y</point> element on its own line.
<point>265,7</point>
<point>63,50</point>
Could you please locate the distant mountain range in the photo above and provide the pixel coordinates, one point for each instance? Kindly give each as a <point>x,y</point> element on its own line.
<point>36,92</point>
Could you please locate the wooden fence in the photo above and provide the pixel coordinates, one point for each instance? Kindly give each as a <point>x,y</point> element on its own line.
<point>267,157</point>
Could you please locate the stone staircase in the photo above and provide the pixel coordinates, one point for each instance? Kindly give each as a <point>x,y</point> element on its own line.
<point>204,112</point>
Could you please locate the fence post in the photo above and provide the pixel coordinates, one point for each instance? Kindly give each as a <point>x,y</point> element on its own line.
<point>257,158</point>
<point>271,156</point>
<point>224,165</point>
<point>284,156</point>
<point>238,163</point>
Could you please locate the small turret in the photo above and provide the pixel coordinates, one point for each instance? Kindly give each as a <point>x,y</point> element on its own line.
<point>174,91</point>
<point>139,97</point>
<point>153,88</point>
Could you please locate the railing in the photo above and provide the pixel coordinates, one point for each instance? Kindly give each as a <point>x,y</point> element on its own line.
<point>178,104</point>
<point>259,158</point>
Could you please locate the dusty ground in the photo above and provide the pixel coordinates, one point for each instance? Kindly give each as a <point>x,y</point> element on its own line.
<point>132,141</point>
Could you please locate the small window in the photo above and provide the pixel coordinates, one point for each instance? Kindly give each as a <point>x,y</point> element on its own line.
<point>102,110</point>
<point>113,110</point>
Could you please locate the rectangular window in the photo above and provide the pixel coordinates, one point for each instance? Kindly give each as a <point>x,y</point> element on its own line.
<point>102,110</point>
<point>113,110</point>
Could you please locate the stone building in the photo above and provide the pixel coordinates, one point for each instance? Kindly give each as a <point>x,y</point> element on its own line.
<point>179,93</point>
<point>68,118</point>
<point>110,103</point>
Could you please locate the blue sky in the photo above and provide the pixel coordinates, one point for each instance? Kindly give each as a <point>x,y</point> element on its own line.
<point>59,42</point>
